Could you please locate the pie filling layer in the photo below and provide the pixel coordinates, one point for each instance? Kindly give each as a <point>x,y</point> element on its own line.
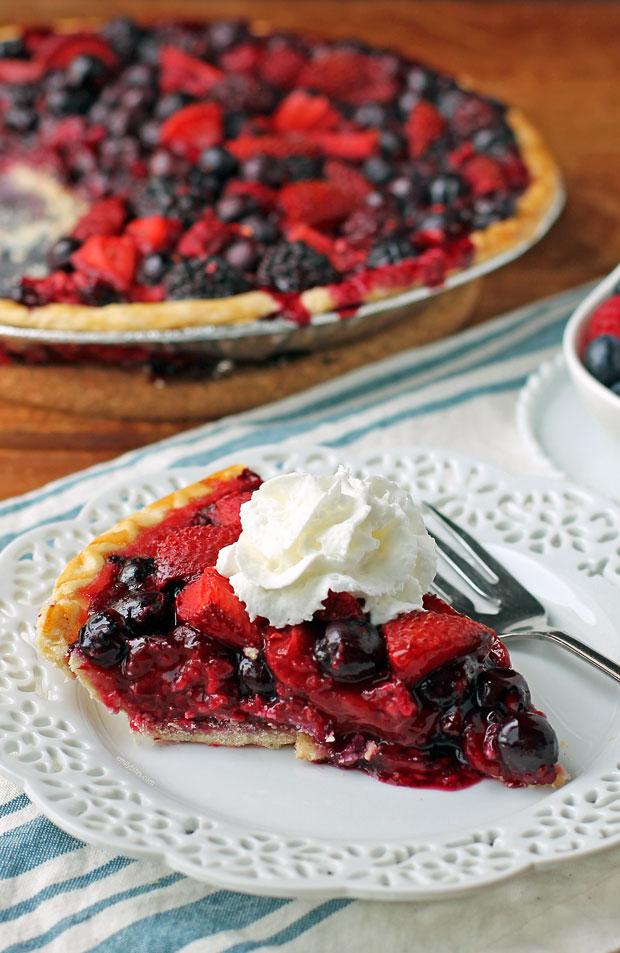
<point>427,700</point>
<point>217,160</point>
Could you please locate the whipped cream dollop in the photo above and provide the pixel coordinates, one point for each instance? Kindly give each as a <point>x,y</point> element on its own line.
<point>303,535</point>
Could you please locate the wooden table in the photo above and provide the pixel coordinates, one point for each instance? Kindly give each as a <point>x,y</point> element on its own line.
<point>558,61</point>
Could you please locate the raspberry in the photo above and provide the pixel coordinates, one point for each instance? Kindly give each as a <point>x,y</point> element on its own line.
<point>187,74</point>
<point>206,237</point>
<point>204,278</point>
<point>424,125</point>
<point>604,320</point>
<point>110,258</point>
<point>281,66</point>
<point>295,266</point>
<point>316,202</point>
<point>471,114</point>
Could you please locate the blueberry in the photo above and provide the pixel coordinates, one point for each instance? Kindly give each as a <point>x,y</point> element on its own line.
<point>261,228</point>
<point>371,115</point>
<point>21,118</point>
<point>263,169</point>
<point>231,208</point>
<point>351,651</point>
<point>445,189</point>
<point>219,162</point>
<point>422,81</point>
<point>242,255</point>
<point>527,742</point>
<point>255,676</point>
<point>448,684</point>
<point>144,610</point>
<point>403,187</point>
<point>503,689</point>
<point>154,268</point>
<point>303,167</point>
<point>59,255</point>
<point>171,103</point>
<point>13,49</point>
<point>391,143</point>
<point>102,638</point>
<point>602,359</point>
<point>123,35</point>
<point>378,170</point>
<point>226,33</point>
<point>135,570</point>
<point>69,101</point>
<point>86,70</point>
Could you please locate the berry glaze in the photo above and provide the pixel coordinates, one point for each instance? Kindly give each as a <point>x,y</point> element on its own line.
<point>425,700</point>
<point>215,161</point>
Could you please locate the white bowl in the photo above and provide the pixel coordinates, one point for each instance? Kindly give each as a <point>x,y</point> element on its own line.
<point>602,403</point>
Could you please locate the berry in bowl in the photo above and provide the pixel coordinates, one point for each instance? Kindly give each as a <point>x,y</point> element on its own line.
<point>592,352</point>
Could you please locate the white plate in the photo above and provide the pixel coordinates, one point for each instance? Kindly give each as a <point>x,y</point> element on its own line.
<point>261,822</point>
<point>559,429</point>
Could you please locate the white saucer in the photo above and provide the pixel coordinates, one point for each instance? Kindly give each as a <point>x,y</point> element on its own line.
<point>559,429</point>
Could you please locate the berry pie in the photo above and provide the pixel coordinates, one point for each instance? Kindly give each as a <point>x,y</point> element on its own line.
<point>295,611</point>
<point>190,173</point>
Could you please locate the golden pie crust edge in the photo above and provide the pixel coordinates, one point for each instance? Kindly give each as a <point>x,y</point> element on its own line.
<point>533,207</point>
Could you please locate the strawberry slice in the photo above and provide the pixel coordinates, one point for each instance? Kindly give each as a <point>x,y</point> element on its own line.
<point>184,554</point>
<point>605,320</point>
<point>104,217</point>
<point>205,237</point>
<point>192,129</point>
<point>210,606</point>
<point>349,76</point>
<point>288,653</point>
<point>300,232</point>
<point>224,512</point>
<point>315,202</point>
<point>57,51</point>
<point>108,257</point>
<point>424,125</point>
<point>347,145</point>
<point>154,233</point>
<point>484,175</point>
<point>20,71</point>
<point>418,642</point>
<point>246,146</point>
<point>347,178</point>
<point>435,604</point>
<point>340,605</point>
<point>300,111</point>
<point>281,66</point>
<point>181,72</point>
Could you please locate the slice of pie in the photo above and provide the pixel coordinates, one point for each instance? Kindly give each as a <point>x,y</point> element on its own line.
<point>374,674</point>
<point>197,173</point>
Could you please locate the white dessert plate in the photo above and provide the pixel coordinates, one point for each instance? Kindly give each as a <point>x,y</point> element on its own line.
<point>261,822</point>
<point>560,430</point>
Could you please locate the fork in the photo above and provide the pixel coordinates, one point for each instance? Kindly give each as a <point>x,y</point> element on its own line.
<point>517,613</point>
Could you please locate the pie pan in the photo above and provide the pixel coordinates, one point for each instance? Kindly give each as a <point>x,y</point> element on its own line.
<point>260,340</point>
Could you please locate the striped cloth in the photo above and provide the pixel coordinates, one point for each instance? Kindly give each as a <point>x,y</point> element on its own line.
<point>58,895</point>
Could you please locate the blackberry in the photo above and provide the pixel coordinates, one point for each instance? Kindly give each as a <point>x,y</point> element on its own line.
<point>204,278</point>
<point>390,251</point>
<point>295,266</point>
<point>174,198</point>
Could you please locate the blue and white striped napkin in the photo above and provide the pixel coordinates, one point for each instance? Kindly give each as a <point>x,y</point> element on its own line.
<point>59,895</point>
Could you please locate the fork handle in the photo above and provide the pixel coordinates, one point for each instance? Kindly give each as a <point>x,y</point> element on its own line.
<point>573,645</point>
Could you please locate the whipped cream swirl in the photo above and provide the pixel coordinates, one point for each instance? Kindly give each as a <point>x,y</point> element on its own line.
<point>303,535</point>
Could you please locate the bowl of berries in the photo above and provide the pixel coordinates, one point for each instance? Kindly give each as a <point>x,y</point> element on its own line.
<point>592,352</point>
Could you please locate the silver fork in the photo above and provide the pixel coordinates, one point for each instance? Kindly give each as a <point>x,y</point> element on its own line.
<point>518,614</point>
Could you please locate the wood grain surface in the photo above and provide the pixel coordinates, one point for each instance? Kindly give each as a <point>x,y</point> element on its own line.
<point>557,61</point>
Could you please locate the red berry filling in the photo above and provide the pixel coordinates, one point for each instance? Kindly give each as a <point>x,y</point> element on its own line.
<point>428,699</point>
<point>217,161</point>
